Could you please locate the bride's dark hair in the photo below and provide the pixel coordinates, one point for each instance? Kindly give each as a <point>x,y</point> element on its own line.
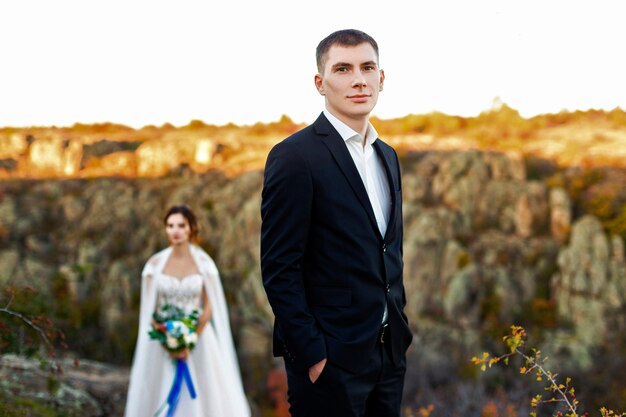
<point>187,214</point>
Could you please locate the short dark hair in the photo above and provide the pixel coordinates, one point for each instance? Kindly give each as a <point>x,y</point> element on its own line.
<point>345,37</point>
<point>187,214</point>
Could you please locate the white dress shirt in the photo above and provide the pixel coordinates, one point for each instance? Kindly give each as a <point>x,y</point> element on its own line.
<point>370,169</point>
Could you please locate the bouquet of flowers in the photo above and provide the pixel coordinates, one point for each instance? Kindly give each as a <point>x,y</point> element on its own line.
<point>175,329</point>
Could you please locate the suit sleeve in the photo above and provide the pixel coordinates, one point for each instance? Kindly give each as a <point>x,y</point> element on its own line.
<point>286,216</point>
<point>401,228</point>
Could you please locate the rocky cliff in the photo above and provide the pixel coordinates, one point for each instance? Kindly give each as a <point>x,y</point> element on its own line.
<point>89,151</point>
<point>485,247</point>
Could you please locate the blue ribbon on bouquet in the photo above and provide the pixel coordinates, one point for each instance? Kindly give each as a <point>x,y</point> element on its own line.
<point>182,375</point>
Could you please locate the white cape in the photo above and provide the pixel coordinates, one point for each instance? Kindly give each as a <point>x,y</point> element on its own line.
<point>212,363</point>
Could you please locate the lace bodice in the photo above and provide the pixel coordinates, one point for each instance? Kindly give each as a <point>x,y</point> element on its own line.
<point>183,292</point>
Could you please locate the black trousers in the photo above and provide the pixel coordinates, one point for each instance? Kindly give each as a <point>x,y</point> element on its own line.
<point>376,391</point>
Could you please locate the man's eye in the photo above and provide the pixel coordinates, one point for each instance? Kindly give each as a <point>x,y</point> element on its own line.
<point>342,69</point>
<point>370,68</point>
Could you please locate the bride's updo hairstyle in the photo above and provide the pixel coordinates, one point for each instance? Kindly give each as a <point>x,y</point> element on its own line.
<point>187,214</point>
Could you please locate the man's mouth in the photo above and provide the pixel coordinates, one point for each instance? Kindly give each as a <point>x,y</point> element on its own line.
<point>359,98</point>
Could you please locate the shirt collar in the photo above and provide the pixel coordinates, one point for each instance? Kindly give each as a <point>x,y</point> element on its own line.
<point>347,133</point>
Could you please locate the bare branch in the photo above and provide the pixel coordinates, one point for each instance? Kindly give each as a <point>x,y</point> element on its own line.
<point>29,323</point>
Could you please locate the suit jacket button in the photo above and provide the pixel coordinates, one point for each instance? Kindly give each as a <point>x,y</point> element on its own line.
<point>388,288</point>
<point>384,247</point>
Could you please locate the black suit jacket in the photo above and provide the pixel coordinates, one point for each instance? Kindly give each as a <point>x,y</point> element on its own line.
<point>327,270</point>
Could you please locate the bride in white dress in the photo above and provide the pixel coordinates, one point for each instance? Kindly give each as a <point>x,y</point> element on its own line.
<point>186,276</point>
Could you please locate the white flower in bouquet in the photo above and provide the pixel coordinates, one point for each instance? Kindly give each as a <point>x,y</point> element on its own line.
<point>191,338</point>
<point>172,342</point>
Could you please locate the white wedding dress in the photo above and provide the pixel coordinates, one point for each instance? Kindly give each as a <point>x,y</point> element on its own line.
<point>212,363</point>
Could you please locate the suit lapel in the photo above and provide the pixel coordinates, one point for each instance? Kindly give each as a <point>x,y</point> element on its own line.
<point>388,162</point>
<point>340,153</point>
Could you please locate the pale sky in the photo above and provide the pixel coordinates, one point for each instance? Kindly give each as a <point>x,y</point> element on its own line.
<point>139,62</point>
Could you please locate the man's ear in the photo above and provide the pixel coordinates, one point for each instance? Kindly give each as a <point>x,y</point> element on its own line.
<point>382,80</point>
<point>319,84</point>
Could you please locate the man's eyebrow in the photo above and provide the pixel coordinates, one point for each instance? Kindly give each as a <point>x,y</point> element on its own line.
<point>374,63</point>
<point>342,64</point>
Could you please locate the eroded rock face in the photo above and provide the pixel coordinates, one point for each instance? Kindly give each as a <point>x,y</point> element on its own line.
<point>473,227</point>
<point>560,214</point>
<point>89,389</point>
<point>590,285</point>
<point>57,154</point>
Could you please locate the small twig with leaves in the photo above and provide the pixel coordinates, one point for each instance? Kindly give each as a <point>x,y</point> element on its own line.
<point>30,323</point>
<point>562,392</point>
<point>39,324</point>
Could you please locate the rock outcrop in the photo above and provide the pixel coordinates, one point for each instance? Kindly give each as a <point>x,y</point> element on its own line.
<point>590,289</point>
<point>84,389</point>
<point>55,154</point>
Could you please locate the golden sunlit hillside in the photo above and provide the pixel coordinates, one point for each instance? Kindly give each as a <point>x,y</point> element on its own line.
<point>580,138</point>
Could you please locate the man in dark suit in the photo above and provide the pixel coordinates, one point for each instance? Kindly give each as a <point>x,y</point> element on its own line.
<point>331,246</point>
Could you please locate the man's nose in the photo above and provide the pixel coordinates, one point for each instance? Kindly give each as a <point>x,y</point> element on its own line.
<point>359,80</point>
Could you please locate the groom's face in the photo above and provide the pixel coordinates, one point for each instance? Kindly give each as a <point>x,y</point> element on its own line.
<point>350,81</point>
